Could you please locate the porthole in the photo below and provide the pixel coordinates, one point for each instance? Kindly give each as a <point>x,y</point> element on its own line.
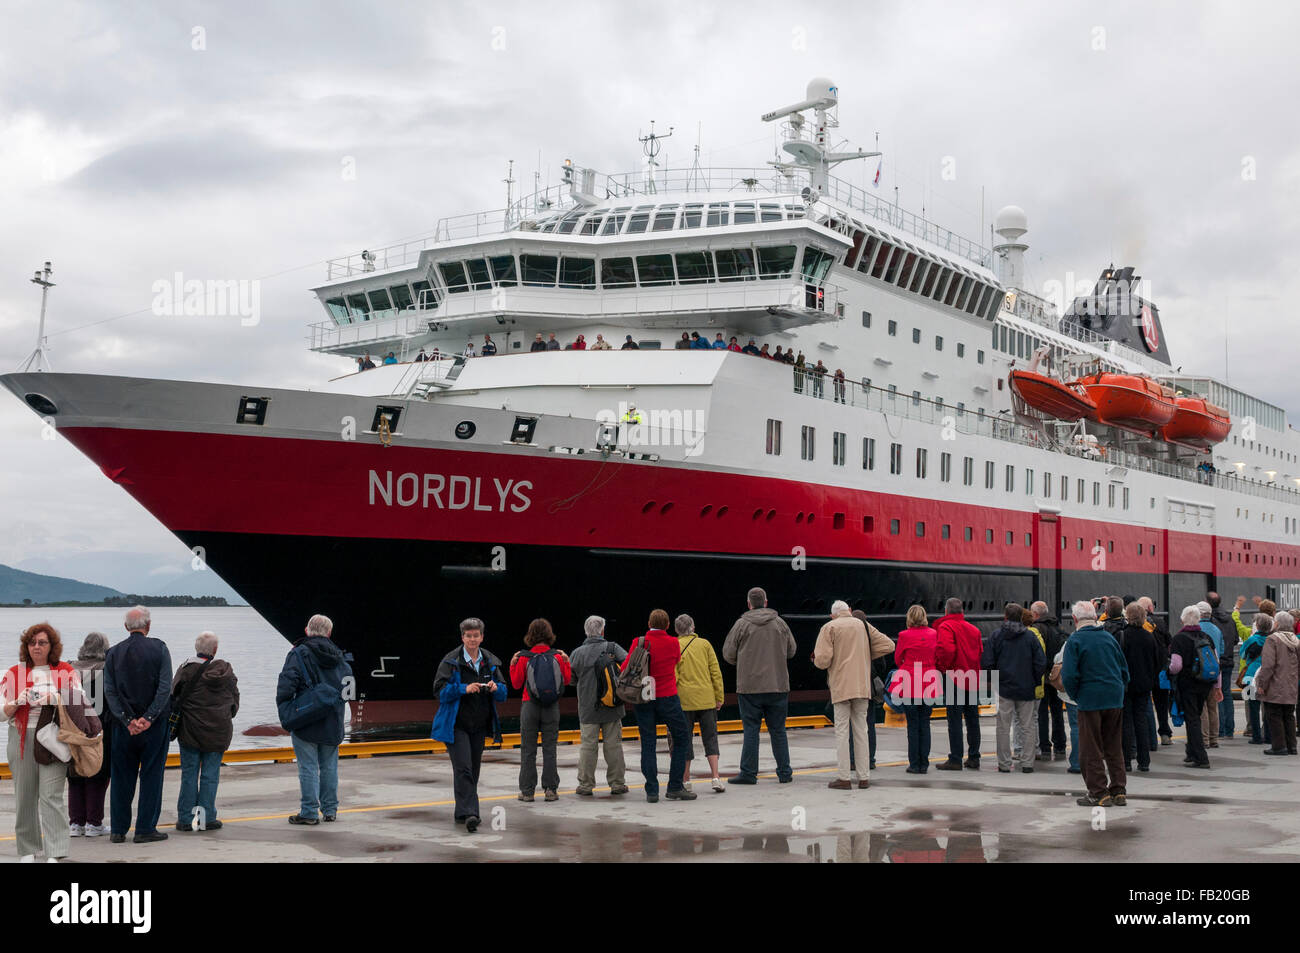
<point>663,510</point>
<point>798,517</point>
<point>465,429</point>
<point>722,511</point>
<point>41,404</point>
<point>706,509</point>
<point>771,515</point>
<point>650,504</point>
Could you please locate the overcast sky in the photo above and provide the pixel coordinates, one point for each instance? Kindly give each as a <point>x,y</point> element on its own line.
<point>244,141</point>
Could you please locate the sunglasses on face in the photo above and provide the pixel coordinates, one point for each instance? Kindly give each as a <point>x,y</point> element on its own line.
<point>38,644</point>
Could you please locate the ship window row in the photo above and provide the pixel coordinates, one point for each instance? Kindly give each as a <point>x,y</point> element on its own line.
<point>639,219</point>
<point>1266,450</point>
<point>1097,548</point>
<point>628,271</point>
<point>376,304</point>
<point>908,268</point>
<point>1261,559</point>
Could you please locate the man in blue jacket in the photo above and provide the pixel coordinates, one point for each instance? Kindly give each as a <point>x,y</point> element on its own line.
<point>468,686</point>
<point>1095,674</point>
<point>1013,652</point>
<point>315,659</point>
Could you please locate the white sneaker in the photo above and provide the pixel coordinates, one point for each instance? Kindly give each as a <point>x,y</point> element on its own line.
<point>688,787</point>
<point>95,830</point>
<point>75,830</point>
<point>27,859</point>
<point>718,786</point>
<point>51,860</point>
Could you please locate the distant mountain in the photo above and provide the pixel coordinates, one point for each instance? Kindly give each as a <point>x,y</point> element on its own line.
<point>163,574</point>
<point>17,585</point>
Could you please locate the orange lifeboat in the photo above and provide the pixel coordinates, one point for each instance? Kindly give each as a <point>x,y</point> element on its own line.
<point>1129,401</point>
<point>1050,397</point>
<point>1197,423</point>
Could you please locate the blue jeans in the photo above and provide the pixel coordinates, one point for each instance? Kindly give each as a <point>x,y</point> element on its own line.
<point>754,709</point>
<point>648,714</point>
<point>318,777</point>
<point>956,716</point>
<point>1227,716</point>
<point>200,772</point>
<point>918,734</point>
<point>1072,715</point>
<point>138,757</point>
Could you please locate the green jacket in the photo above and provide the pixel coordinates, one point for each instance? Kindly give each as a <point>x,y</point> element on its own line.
<point>1243,633</point>
<point>699,678</point>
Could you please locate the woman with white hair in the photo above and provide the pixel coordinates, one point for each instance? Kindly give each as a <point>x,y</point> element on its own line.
<point>1191,690</point>
<point>699,687</point>
<point>205,698</point>
<point>1277,683</point>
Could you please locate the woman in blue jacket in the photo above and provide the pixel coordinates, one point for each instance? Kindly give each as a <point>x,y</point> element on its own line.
<point>468,686</point>
<point>1252,653</point>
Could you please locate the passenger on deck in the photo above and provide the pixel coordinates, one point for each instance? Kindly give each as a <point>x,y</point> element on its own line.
<point>551,343</point>
<point>630,345</point>
<point>837,383</point>
<point>580,344</point>
<point>733,345</point>
<point>699,342</point>
<point>800,372</point>
<point>779,355</point>
<point>751,348</point>
<point>601,344</point>
<point>764,352</point>
<point>538,344</point>
<point>719,344</point>
<point>684,344</point>
<point>789,355</point>
<point>421,357</point>
<point>365,363</point>
<point>819,379</point>
<point>469,350</point>
<point>390,358</point>
<point>488,349</point>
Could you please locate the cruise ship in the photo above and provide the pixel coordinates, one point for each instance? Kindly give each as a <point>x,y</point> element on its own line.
<point>969,436</point>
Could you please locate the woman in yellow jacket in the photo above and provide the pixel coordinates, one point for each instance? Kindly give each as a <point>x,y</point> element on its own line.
<point>699,686</point>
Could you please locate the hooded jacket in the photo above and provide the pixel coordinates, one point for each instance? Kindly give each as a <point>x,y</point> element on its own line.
<point>1050,628</point>
<point>1015,654</point>
<point>760,645</point>
<point>1222,618</point>
<point>1278,677</point>
<point>1252,654</point>
<point>449,688</point>
<point>208,715</point>
<point>332,664</point>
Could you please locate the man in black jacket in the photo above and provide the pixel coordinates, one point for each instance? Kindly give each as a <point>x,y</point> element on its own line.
<point>1222,618</point>
<point>1015,655</point>
<point>137,688</point>
<point>1144,663</point>
<point>1113,619</point>
<point>1159,696</point>
<point>205,693</point>
<point>1051,707</point>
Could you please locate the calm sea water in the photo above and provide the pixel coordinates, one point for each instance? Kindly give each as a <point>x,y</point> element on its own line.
<point>247,641</point>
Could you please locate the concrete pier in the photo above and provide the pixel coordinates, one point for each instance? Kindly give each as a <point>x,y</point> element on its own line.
<point>400,809</point>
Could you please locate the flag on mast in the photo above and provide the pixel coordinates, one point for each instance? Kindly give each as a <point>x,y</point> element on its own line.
<point>876,181</point>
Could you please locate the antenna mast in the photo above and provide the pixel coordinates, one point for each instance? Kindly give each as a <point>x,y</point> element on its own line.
<point>810,150</point>
<point>37,361</point>
<point>651,145</point>
<point>509,180</point>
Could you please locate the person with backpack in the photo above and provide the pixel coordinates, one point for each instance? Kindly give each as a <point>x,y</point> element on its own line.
<point>649,680</point>
<point>1277,683</point>
<point>542,672</point>
<point>468,686</point>
<point>310,696</point>
<point>1094,674</point>
<point>1017,656</point>
<point>957,655</point>
<point>1252,655</point>
<point>760,645</point>
<point>846,647</point>
<point>699,687</point>
<point>1144,660</point>
<point>1190,650</point>
<point>1051,710</point>
<point>595,666</point>
<point>1210,714</point>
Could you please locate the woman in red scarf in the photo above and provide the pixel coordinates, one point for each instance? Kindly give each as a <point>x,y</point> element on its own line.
<point>29,696</point>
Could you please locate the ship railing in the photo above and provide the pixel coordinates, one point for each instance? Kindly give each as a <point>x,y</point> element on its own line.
<point>870,397</point>
<point>403,324</point>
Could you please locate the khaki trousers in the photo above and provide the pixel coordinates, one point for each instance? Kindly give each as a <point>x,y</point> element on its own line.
<point>851,717</point>
<point>38,798</point>
<point>615,767</point>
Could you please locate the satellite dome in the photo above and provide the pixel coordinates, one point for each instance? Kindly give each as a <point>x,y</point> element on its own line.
<point>821,87</point>
<point>1011,222</point>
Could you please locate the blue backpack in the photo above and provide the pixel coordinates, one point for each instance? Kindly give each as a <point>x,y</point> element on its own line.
<point>545,679</point>
<point>1205,662</point>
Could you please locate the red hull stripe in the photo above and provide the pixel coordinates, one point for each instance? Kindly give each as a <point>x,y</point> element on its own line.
<point>235,484</point>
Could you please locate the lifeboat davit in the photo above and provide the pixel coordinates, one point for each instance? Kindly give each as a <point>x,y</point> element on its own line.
<point>1051,397</point>
<point>1129,401</point>
<point>1197,423</point>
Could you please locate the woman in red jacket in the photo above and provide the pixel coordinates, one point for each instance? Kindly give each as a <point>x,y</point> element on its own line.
<point>550,674</point>
<point>917,685</point>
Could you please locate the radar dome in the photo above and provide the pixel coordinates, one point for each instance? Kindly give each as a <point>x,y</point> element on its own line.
<point>1011,222</point>
<point>821,88</point>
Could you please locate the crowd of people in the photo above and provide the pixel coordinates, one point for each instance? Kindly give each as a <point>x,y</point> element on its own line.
<point>813,376</point>
<point>1120,680</point>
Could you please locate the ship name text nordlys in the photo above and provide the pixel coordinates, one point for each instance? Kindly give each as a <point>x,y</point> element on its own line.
<point>449,492</point>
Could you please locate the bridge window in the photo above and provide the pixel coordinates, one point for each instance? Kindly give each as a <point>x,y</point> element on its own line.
<point>655,269</point>
<point>975,297</point>
<point>592,225</point>
<point>886,250</point>
<point>359,306</point>
<point>744,214</point>
<point>664,219</point>
<point>577,272</point>
<point>338,309</point>
<point>617,272</point>
<point>718,215</point>
<point>922,266</point>
<point>503,270</point>
<point>637,222</point>
<point>453,276</point>
<point>734,264</point>
<point>614,222</point>
<point>905,272</point>
<point>930,277</point>
<point>478,274</point>
<point>942,283</point>
<point>868,253</point>
<point>539,269</point>
<point>694,267</point>
<point>426,295</point>
<point>692,215</point>
<point>816,263</point>
<point>380,304</point>
<point>776,262</point>
<point>769,213</point>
